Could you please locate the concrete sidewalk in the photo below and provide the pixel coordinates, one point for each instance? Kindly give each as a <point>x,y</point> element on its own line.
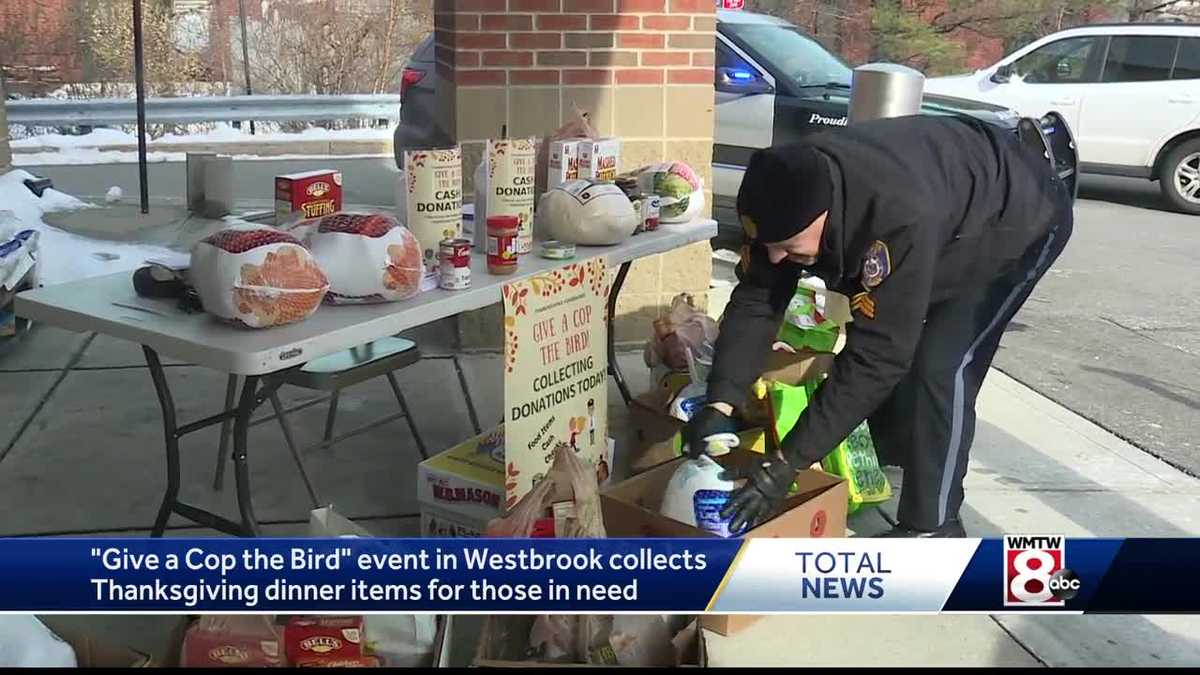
<point>81,453</point>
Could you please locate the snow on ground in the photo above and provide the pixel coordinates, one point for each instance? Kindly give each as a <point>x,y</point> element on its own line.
<point>96,138</point>
<point>64,256</point>
<point>84,149</point>
<point>225,133</point>
<point>89,156</point>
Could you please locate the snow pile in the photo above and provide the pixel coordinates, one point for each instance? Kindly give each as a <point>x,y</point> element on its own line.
<point>95,138</point>
<point>64,256</point>
<point>92,156</point>
<point>224,133</point>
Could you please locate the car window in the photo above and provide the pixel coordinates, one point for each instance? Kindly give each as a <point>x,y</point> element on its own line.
<point>1187,61</point>
<point>1140,58</point>
<point>1061,61</point>
<point>727,58</point>
<point>789,54</point>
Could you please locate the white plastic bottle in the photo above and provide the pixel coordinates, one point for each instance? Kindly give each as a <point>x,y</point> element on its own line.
<point>696,494</point>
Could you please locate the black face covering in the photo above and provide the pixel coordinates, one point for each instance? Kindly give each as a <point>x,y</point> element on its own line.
<point>783,191</point>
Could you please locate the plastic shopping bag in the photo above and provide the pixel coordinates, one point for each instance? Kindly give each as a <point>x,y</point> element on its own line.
<point>807,323</point>
<point>854,459</point>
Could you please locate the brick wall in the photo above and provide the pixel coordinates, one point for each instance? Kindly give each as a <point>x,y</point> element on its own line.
<point>642,69</point>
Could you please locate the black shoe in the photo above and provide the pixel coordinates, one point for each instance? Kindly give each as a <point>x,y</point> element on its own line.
<point>951,529</point>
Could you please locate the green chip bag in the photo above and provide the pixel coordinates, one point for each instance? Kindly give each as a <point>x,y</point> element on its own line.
<point>805,325</point>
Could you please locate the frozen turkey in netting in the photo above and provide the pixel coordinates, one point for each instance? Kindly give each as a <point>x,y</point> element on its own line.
<point>368,257</point>
<point>257,276</point>
<point>587,213</point>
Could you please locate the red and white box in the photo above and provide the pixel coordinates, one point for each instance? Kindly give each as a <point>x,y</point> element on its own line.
<point>323,638</point>
<point>598,159</point>
<point>313,194</point>
<point>218,641</point>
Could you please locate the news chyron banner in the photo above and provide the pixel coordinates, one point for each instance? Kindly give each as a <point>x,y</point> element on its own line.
<point>1016,573</point>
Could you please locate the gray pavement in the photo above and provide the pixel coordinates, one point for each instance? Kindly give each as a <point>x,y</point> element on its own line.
<point>1113,331</point>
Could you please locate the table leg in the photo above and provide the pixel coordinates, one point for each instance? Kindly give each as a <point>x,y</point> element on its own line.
<point>171,437</point>
<point>241,467</point>
<point>614,368</point>
<point>223,447</point>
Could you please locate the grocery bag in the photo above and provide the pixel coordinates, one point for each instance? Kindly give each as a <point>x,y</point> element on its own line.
<point>807,324</point>
<point>853,459</point>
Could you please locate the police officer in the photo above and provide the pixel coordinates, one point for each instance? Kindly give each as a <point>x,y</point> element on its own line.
<point>937,229</point>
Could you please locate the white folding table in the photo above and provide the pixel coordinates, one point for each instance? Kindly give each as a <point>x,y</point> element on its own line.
<point>110,306</point>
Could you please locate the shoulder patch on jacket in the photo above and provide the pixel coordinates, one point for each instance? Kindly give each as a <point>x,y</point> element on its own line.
<point>877,265</point>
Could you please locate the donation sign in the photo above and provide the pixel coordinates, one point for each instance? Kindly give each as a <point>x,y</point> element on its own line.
<point>555,371</point>
<point>510,177</point>
<point>430,199</point>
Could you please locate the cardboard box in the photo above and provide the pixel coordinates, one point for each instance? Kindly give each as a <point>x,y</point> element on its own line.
<point>817,509</point>
<point>504,639</point>
<point>598,159</point>
<point>438,523</point>
<point>563,162</point>
<point>798,368</point>
<point>313,194</point>
<point>327,638</point>
<point>464,486</point>
<point>235,642</point>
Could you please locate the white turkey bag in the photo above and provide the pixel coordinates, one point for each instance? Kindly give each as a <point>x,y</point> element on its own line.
<point>587,213</point>
<point>368,257</point>
<point>257,276</point>
<point>401,640</point>
<point>696,494</point>
<point>681,190</point>
<point>25,642</point>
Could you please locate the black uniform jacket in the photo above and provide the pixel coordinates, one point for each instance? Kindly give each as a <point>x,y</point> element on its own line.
<point>924,209</point>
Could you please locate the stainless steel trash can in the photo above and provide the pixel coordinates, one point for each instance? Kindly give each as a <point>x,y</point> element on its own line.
<point>879,90</point>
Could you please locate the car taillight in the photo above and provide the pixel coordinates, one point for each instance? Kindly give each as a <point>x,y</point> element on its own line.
<point>408,78</point>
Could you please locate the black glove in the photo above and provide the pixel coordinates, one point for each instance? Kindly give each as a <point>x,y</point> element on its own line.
<point>707,422</point>
<point>767,484</point>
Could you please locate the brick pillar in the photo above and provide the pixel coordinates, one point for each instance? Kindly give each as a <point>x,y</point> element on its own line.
<point>5,153</point>
<point>643,69</point>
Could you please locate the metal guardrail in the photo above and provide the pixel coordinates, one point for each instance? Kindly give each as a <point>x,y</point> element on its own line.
<point>185,110</point>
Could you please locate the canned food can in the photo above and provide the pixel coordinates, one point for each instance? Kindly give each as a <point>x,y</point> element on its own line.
<point>558,250</point>
<point>650,212</point>
<point>502,233</point>
<point>454,264</point>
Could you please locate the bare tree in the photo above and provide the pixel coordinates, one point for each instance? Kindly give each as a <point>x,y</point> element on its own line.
<point>108,34</point>
<point>334,48</point>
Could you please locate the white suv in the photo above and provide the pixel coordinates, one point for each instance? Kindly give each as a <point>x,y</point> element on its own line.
<point>1129,92</point>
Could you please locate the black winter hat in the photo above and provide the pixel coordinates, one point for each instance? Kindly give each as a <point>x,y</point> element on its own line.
<point>784,189</point>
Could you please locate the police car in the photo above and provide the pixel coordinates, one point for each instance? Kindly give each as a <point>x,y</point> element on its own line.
<point>774,84</point>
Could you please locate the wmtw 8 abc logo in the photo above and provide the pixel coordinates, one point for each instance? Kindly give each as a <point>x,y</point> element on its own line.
<point>1036,573</point>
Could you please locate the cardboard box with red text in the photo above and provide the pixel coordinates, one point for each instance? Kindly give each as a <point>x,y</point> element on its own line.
<point>462,488</point>
<point>817,509</point>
